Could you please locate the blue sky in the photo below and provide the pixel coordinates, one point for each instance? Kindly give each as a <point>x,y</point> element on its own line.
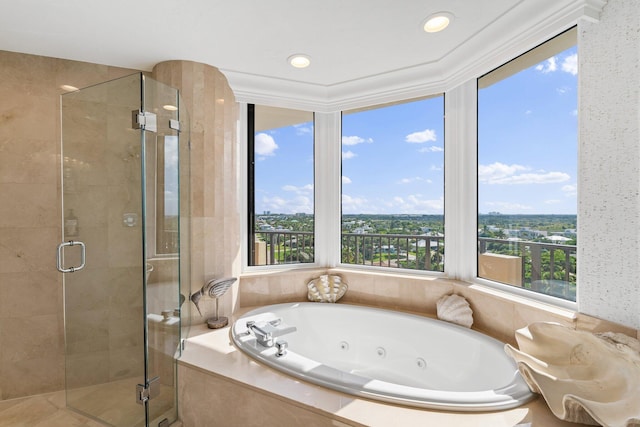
<point>527,140</point>
<point>171,191</point>
<point>393,157</point>
<point>284,169</point>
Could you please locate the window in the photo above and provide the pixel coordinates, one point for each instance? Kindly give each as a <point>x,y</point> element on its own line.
<point>167,193</point>
<point>527,170</point>
<point>281,187</point>
<point>393,185</point>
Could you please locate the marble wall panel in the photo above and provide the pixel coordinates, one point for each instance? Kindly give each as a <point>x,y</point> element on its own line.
<point>215,229</point>
<point>31,308</point>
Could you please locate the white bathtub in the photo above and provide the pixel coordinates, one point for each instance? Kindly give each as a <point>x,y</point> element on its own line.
<point>386,355</point>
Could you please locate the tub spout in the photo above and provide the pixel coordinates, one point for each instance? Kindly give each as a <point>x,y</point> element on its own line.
<point>267,332</point>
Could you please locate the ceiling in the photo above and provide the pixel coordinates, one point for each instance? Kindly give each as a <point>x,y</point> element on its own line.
<point>353,44</point>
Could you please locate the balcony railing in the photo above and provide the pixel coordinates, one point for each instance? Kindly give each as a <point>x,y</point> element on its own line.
<point>283,247</point>
<point>547,268</point>
<point>416,252</point>
<point>542,267</point>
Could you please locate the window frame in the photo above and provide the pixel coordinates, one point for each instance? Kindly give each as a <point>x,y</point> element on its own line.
<point>246,133</point>
<point>460,169</point>
<point>385,269</point>
<point>530,57</point>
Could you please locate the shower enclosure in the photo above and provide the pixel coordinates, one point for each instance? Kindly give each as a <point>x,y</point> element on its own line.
<point>125,250</point>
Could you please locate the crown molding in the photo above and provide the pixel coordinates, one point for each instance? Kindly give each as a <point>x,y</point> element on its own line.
<point>519,30</point>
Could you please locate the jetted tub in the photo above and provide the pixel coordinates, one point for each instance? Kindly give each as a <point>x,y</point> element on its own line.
<point>384,355</point>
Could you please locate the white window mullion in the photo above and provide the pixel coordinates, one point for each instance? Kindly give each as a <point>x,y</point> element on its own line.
<point>460,182</point>
<point>328,178</point>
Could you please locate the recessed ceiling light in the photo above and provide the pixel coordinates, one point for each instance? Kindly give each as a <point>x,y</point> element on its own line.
<point>299,60</point>
<point>68,88</point>
<point>437,22</point>
<point>170,107</point>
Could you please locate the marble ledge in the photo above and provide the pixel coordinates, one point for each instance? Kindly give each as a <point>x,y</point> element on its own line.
<point>272,286</point>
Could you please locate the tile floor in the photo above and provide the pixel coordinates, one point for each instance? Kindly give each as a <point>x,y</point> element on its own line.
<point>50,410</point>
<point>44,410</point>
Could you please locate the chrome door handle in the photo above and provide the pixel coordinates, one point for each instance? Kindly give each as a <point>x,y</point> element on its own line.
<point>59,257</point>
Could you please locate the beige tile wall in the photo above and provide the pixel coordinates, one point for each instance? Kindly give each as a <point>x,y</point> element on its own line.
<point>495,313</point>
<point>31,315</point>
<point>32,352</point>
<point>215,215</point>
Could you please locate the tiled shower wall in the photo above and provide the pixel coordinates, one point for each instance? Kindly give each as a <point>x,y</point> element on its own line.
<point>32,354</point>
<point>31,315</point>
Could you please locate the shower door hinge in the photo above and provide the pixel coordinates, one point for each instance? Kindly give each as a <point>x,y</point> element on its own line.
<point>148,391</point>
<point>144,120</point>
<point>174,124</point>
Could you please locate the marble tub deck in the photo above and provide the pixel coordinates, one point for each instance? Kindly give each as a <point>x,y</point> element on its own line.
<point>213,376</point>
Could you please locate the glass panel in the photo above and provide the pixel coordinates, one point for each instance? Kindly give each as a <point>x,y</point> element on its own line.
<point>393,185</point>
<point>121,198</point>
<point>527,170</point>
<point>102,208</point>
<point>281,186</point>
<point>184,152</point>
<point>162,249</point>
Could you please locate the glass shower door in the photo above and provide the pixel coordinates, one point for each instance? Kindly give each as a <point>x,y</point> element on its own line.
<point>120,200</point>
<point>166,156</point>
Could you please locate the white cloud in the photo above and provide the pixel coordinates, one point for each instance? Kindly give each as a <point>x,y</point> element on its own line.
<point>411,204</point>
<point>416,203</point>
<point>535,178</point>
<point>548,66</point>
<point>305,189</point>
<point>420,137</point>
<point>497,170</point>
<point>552,201</point>
<point>499,173</point>
<point>570,64</point>
<point>570,190</point>
<point>410,180</point>
<point>348,155</point>
<point>432,149</point>
<point>507,206</point>
<point>265,145</point>
<point>303,129</point>
<point>298,204</point>
<point>355,140</point>
<point>346,180</point>
<point>355,205</point>
<point>574,113</point>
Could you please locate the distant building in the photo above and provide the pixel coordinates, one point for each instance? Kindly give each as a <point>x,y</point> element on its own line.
<point>386,249</point>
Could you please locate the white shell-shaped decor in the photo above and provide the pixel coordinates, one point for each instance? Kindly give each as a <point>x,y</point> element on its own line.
<point>326,288</point>
<point>455,309</point>
<point>584,378</point>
